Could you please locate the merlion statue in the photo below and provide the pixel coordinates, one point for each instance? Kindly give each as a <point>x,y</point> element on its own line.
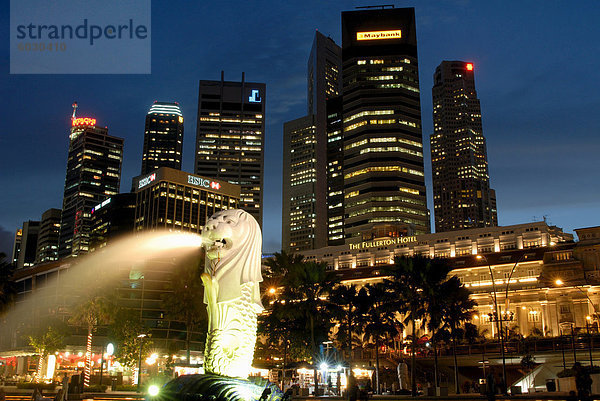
<point>232,275</point>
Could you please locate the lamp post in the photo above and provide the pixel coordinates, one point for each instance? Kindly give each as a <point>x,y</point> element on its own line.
<point>110,349</point>
<point>588,318</point>
<point>498,318</point>
<point>142,337</point>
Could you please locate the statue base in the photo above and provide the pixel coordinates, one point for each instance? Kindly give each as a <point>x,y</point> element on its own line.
<point>211,387</point>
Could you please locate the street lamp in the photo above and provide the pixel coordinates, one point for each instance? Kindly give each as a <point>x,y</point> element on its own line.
<point>498,318</point>
<point>142,337</point>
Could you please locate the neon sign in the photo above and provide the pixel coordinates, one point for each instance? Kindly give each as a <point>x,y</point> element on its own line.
<point>254,96</point>
<point>377,35</point>
<point>383,242</point>
<point>147,180</point>
<point>83,121</point>
<point>101,205</point>
<point>203,182</point>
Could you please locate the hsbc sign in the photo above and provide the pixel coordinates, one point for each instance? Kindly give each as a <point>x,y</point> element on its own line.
<point>203,182</point>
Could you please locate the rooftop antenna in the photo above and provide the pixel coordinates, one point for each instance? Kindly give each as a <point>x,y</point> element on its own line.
<point>74,105</point>
<point>381,6</point>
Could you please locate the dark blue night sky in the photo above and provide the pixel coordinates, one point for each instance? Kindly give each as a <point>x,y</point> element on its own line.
<point>536,70</point>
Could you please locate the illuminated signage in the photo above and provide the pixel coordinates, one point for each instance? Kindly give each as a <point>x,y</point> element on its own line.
<point>83,121</point>
<point>203,182</point>
<point>147,180</point>
<point>469,66</point>
<point>376,35</point>
<point>383,242</point>
<point>101,205</point>
<point>254,96</point>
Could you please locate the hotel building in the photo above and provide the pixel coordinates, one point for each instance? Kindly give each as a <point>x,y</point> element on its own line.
<point>230,138</point>
<point>462,196</point>
<point>543,279</point>
<point>163,137</point>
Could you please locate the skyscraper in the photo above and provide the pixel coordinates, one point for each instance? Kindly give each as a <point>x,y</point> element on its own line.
<point>305,153</point>
<point>163,137</point>
<point>384,183</point>
<point>462,197</point>
<point>47,244</point>
<point>29,240</point>
<point>230,137</point>
<point>93,174</point>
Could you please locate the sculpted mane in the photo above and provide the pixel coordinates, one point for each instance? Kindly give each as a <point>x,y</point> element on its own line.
<point>239,261</point>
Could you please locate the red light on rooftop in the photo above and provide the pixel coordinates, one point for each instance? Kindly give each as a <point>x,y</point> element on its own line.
<point>469,66</point>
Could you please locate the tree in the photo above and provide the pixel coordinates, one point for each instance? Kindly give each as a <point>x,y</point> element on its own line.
<point>8,288</point>
<point>408,275</point>
<point>349,303</point>
<point>433,292</point>
<point>457,309</point>
<point>93,313</point>
<point>126,330</point>
<point>46,341</point>
<point>379,322</point>
<point>281,263</point>
<point>186,302</point>
<point>306,289</point>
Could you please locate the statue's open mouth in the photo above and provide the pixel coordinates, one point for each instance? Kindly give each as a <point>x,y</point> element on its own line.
<point>213,245</point>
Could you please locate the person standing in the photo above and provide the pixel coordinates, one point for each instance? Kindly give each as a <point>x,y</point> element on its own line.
<point>65,387</point>
<point>352,387</point>
<point>490,386</point>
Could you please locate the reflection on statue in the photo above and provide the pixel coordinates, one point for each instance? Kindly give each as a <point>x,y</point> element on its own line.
<point>231,277</point>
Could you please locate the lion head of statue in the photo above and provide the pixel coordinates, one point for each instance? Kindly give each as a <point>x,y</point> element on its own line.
<point>233,244</point>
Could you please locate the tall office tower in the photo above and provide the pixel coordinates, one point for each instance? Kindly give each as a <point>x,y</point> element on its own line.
<point>17,247</point>
<point>163,137</point>
<point>47,244</point>
<point>230,137</point>
<point>384,184</point>
<point>335,173</point>
<point>178,201</point>
<point>111,219</point>
<point>93,174</point>
<point>462,197</point>
<point>305,153</point>
<point>299,185</point>
<point>29,240</point>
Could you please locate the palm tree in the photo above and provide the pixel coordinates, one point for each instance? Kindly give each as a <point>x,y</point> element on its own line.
<point>457,309</point>
<point>95,312</point>
<point>306,289</point>
<point>350,303</point>
<point>8,289</point>
<point>380,324</point>
<point>185,303</point>
<point>408,276</point>
<point>433,292</point>
<point>281,263</point>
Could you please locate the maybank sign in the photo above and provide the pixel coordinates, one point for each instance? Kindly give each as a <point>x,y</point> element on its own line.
<point>376,35</point>
<point>383,242</point>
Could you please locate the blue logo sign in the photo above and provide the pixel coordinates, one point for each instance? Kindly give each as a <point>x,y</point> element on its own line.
<point>254,96</point>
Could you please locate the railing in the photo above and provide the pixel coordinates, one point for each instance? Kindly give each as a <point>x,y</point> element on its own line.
<point>492,348</point>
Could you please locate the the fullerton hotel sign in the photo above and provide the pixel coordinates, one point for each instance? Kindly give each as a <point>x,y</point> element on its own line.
<point>383,242</point>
